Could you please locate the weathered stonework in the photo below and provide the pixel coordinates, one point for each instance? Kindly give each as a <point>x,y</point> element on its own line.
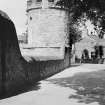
<point>47,29</point>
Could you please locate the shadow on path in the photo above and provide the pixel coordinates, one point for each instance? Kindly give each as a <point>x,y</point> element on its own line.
<point>90,87</point>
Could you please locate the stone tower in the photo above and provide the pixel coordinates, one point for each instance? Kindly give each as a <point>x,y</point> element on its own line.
<point>47,28</point>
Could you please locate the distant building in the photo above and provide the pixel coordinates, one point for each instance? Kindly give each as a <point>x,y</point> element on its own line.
<point>86,43</point>
<point>22,38</point>
<point>89,44</point>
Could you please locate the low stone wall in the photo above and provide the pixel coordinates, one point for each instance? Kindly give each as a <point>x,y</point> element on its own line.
<point>49,68</point>
<point>21,75</point>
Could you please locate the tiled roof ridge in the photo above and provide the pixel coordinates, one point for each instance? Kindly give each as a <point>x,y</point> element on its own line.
<point>94,37</point>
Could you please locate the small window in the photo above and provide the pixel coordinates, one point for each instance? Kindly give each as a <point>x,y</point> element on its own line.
<point>29,2</point>
<point>51,0</point>
<point>30,18</point>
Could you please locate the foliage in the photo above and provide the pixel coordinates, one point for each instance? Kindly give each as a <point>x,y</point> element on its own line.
<point>94,10</point>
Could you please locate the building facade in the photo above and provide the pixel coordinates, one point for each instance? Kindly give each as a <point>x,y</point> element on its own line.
<point>92,44</point>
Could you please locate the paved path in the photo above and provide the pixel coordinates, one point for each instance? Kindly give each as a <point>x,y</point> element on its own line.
<point>83,68</point>
<point>53,94</point>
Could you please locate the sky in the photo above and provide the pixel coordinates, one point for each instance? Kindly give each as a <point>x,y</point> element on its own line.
<point>16,9</point>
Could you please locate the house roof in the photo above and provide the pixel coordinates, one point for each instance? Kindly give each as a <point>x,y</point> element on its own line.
<point>98,40</point>
<point>93,39</point>
<point>87,39</point>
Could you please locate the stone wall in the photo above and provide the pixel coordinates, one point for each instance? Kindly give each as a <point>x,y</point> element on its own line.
<point>16,74</point>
